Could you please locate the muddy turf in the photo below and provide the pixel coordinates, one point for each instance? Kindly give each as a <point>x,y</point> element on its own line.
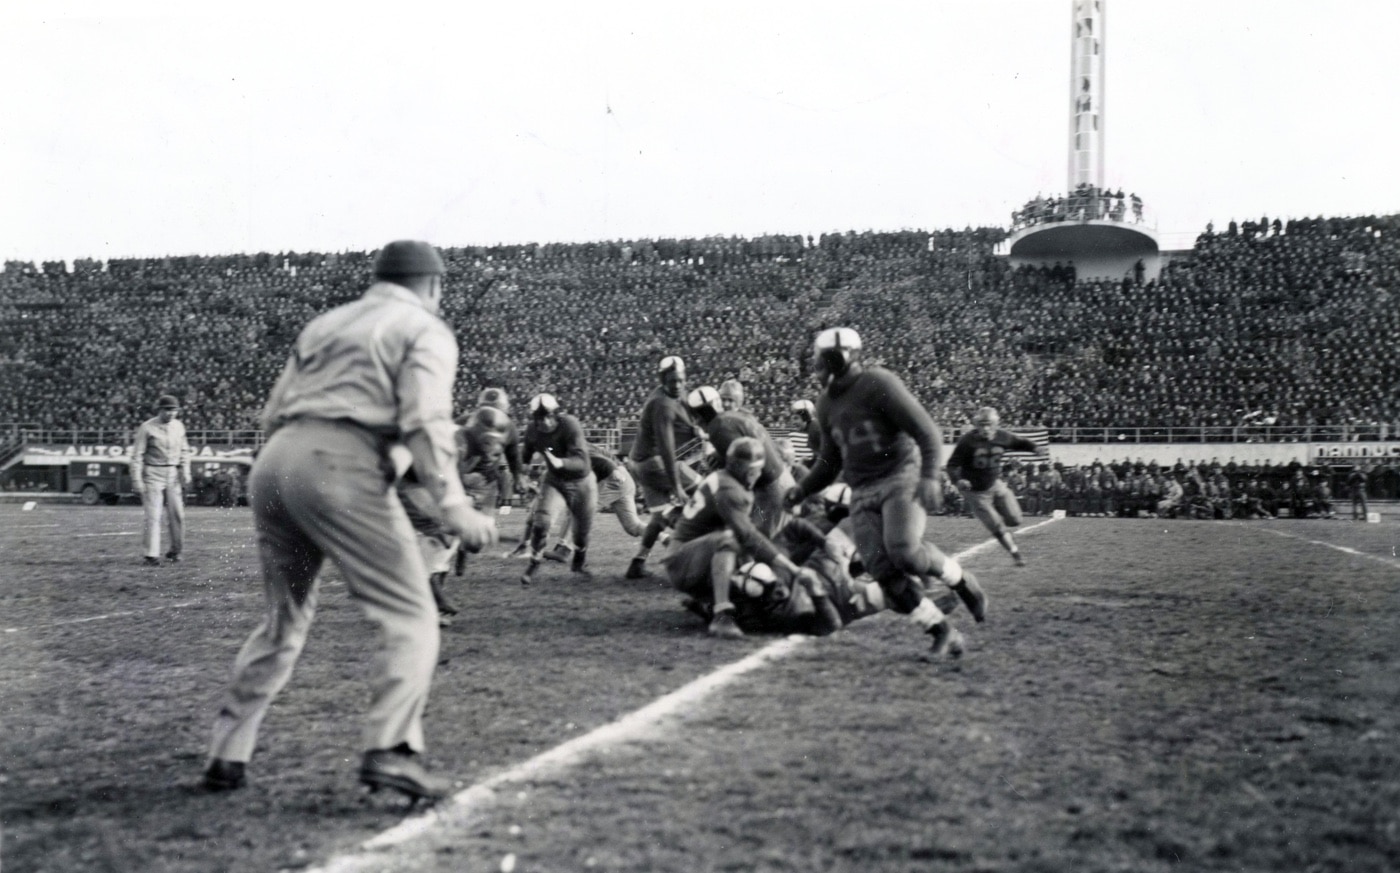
<point>1145,695</point>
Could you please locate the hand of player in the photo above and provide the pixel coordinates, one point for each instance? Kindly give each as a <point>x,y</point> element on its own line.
<point>812,581</point>
<point>930,494</point>
<point>794,497</point>
<point>553,462</point>
<point>678,498</point>
<point>964,485</point>
<point>476,529</point>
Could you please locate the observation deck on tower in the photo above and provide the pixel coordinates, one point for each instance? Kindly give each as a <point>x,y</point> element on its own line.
<point>1101,232</point>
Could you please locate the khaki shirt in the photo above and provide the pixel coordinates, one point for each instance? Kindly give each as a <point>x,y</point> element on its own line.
<point>384,362</point>
<point>160,444</point>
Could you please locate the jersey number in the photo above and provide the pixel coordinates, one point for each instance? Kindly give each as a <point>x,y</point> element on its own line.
<point>862,433</point>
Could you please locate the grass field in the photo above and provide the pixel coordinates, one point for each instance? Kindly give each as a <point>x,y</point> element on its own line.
<point>1146,695</point>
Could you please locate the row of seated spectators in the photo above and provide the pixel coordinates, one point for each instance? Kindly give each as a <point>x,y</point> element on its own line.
<point>1132,489</point>
<point>1295,321</point>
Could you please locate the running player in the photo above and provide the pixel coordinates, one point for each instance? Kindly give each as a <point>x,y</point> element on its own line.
<point>663,430</point>
<point>567,482</point>
<point>975,466</point>
<point>875,432</point>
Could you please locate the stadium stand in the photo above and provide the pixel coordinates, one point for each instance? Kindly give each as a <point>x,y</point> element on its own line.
<point>1275,327</point>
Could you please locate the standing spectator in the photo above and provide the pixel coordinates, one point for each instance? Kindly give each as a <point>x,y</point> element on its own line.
<point>160,470</point>
<point>806,413</point>
<point>731,395</point>
<point>890,451</point>
<point>1356,488</point>
<point>366,391</point>
<point>975,466</point>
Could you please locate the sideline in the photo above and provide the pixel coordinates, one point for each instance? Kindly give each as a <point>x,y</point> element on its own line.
<point>632,726</point>
<point>1393,564</point>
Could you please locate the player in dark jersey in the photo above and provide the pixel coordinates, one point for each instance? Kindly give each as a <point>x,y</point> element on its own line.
<point>723,427</point>
<point>508,466</point>
<point>715,534</point>
<point>567,483</point>
<point>975,466</point>
<point>616,492</point>
<point>877,434</point>
<point>664,429</point>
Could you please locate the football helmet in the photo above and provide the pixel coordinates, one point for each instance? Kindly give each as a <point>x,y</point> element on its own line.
<point>496,397</point>
<point>705,401</point>
<point>835,350</point>
<point>744,460</point>
<point>985,421</point>
<point>543,404</point>
<point>490,423</point>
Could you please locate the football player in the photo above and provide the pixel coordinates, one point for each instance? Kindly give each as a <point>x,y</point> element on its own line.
<point>715,534</point>
<point>666,480</point>
<point>567,482</point>
<point>616,491</point>
<point>877,434</point>
<point>975,466</point>
<point>723,427</point>
<point>507,473</point>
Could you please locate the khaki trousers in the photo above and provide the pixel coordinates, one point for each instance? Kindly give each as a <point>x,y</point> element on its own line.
<point>318,491</point>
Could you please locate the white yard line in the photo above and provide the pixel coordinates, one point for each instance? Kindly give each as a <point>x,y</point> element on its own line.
<point>630,727</point>
<point>1347,550</point>
<point>111,615</point>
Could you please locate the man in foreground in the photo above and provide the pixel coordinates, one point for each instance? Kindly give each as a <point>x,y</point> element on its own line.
<point>367,391</point>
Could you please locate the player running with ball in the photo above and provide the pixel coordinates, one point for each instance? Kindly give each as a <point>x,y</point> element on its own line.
<point>875,432</point>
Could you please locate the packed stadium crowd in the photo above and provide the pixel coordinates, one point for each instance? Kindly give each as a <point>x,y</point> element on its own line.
<point>1283,323</point>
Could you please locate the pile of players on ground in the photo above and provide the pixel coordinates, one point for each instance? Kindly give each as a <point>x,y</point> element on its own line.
<point>753,541</point>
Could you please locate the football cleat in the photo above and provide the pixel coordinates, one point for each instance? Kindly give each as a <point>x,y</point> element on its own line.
<point>1016,557</point>
<point>638,568</point>
<point>151,562</point>
<point>402,771</point>
<point>828,619</point>
<point>580,557</point>
<point>519,551</point>
<point>561,553</point>
<point>972,596</point>
<point>724,626</point>
<point>172,557</point>
<point>224,775</point>
<point>529,571</point>
<point>947,640</point>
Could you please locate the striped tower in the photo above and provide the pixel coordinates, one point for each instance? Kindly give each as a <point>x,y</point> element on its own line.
<point>1086,94</point>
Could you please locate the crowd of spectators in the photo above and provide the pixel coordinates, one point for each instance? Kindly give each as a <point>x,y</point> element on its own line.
<point>1085,203</point>
<point>1136,488</point>
<point>1285,322</point>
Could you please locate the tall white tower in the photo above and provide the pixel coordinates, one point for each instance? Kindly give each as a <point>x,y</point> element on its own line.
<point>1086,93</point>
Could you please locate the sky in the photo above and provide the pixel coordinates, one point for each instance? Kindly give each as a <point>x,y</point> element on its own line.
<point>153,128</point>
